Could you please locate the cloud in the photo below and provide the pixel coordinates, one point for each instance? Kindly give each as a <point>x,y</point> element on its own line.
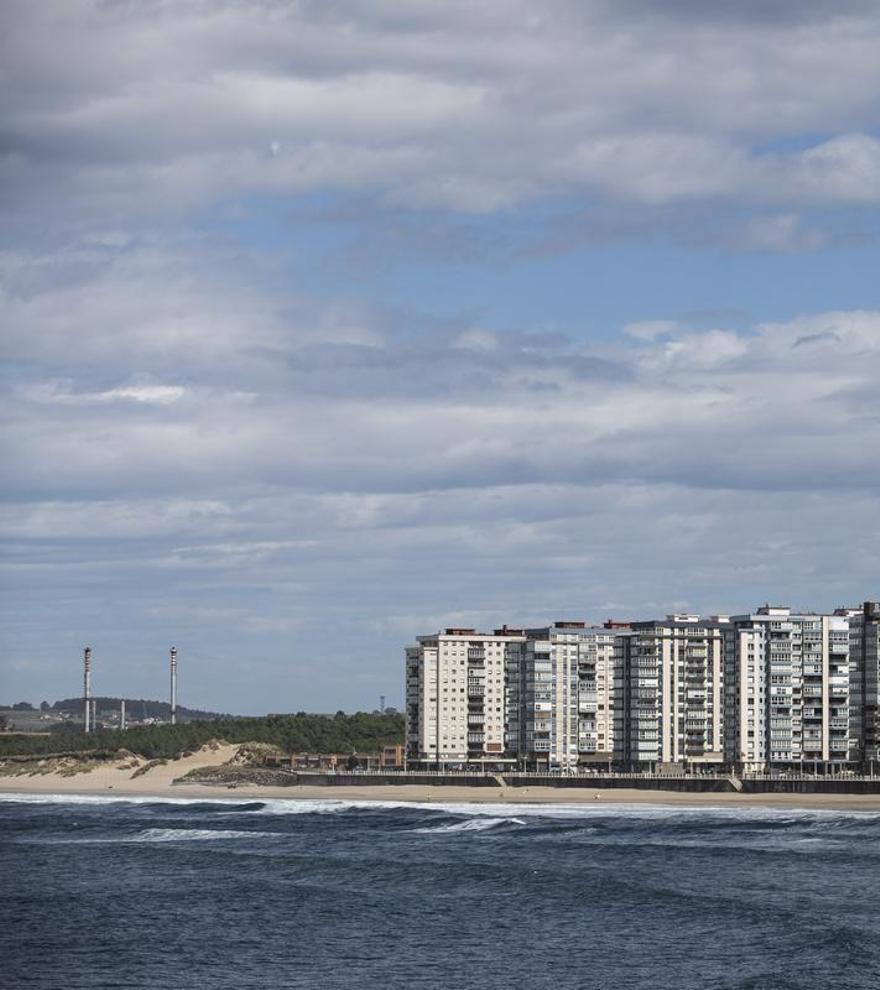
<point>154,108</point>
<point>223,428</point>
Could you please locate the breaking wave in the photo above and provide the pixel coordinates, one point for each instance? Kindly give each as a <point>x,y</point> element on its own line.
<point>471,825</point>
<point>197,835</point>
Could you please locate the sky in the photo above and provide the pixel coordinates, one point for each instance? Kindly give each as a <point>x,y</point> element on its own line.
<point>329,323</point>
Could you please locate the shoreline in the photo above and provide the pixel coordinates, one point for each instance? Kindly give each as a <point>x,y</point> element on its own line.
<point>157,782</point>
<point>50,786</point>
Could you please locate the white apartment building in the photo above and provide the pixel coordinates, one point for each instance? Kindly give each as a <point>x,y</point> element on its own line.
<point>769,689</point>
<point>673,692</point>
<point>788,697</point>
<point>548,738</point>
<point>457,699</point>
<point>864,665</point>
<point>598,692</point>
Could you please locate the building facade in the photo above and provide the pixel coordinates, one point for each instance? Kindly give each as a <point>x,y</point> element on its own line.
<point>864,659</point>
<point>549,692</point>
<point>673,691</point>
<point>457,707</point>
<point>773,689</point>
<point>788,699</point>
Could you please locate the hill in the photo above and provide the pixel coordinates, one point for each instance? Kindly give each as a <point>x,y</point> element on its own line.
<point>135,708</point>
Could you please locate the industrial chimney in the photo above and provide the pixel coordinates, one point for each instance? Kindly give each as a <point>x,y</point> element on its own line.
<point>87,686</point>
<point>173,656</point>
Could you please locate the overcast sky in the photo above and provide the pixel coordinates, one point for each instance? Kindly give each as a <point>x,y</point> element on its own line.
<point>330,323</point>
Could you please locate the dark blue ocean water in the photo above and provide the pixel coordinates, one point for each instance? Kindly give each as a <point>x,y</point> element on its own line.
<point>247,894</point>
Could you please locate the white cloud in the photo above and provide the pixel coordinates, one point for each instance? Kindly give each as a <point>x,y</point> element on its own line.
<point>199,447</point>
<point>57,393</point>
<point>155,108</point>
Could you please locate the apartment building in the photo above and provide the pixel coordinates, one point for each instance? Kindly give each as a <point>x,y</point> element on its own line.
<point>788,697</point>
<point>457,699</point>
<point>567,695</point>
<point>770,689</point>
<point>672,694</point>
<point>598,693</point>
<point>549,687</point>
<point>864,681</point>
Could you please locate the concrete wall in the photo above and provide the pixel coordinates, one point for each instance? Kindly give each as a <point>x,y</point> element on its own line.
<point>387,779</point>
<point>597,782</point>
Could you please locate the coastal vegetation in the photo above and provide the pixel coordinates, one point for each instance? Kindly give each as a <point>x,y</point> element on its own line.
<point>137,708</point>
<point>339,733</point>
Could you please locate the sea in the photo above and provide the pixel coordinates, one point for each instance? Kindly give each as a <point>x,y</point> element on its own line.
<point>240,894</point>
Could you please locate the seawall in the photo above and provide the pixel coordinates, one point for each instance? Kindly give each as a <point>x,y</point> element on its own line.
<point>237,776</point>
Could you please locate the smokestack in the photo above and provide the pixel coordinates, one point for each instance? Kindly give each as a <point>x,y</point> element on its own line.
<point>122,714</point>
<point>87,686</point>
<point>94,714</point>
<point>381,703</point>
<point>173,655</point>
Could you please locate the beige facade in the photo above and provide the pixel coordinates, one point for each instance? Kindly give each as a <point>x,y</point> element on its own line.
<point>457,698</point>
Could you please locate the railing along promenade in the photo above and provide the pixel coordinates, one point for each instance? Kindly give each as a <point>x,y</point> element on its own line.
<point>668,780</point>
<point>592,774</point>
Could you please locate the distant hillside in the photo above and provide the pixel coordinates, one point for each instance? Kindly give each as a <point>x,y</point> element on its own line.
<point>136,708</point>
<point>340,733</point>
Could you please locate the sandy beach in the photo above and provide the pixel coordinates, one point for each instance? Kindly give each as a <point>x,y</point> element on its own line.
<point>157,782</point>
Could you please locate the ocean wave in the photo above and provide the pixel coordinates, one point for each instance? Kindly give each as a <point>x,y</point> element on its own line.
<point>101,799</point>
<point>197,835</point>
<point>470,825</point>
<point>782,818</point>
<point>148,835</point>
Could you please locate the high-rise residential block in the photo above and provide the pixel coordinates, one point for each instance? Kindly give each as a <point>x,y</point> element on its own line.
<point>672,698</point>
<point>864,663</point>
<point>770,689</point>
<point>788,693</point>
<point>457,697</point>
<point>549,692</point>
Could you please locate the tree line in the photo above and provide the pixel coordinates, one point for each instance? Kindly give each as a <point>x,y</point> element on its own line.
<point>340,733</point>
<point>134,707</point>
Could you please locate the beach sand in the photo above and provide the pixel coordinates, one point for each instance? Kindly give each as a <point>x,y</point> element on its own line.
<point>111,781</point>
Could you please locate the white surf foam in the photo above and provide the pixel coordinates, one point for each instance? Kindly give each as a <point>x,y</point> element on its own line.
<point>149,835</point>
<point>466,809</point>
<point>197,835</point>
<point>101,799</point>
<point>470,825</point>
